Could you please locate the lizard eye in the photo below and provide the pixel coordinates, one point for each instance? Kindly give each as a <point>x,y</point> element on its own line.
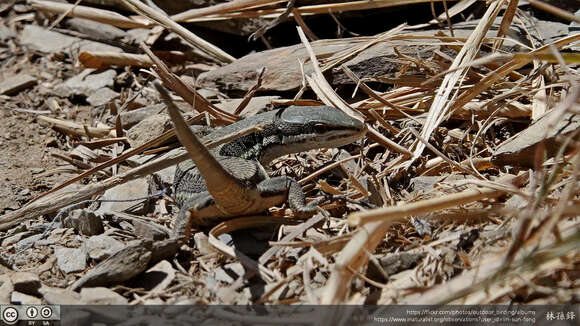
<point>320,128</point>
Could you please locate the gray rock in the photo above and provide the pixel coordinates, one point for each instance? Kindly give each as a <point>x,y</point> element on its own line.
<point>424,184</point>
<point>225,238</point>
<point>91,46</point>
<point>137,160</point>
<point>147,231</point>
<point>102,96</point>
<point>26,282</point>
<point>139,34</point>
<point>572,28</point>
<point>8,241</point>
<point>397,262</point>
<point>44,40</point>
<point>96,29</point>
<point>422,226</point>
<point>202,243</point>
<point>55,236</point>
<point>38,38</point>
<point>520,150</point>
<point>59,296</point>
<point>86,83</point>
<point>131,118</point>
<point>6,292</point>
<point>374,198</point>
<point>129,190</point>
<point>229,273</point>
<point>256,105</point>
<point>158,277</point>
<point>71,260</point>
<point>102,246</point>
<point>28,242</point>
<point>22,299</point>
<point>122,266</point>
<point>6,32</point>
<point>147,129</point>
<point>100,295</point>
<point>85,222</point>
<point>283,72</point>
<point>516,202</point>
<point>16,83</point>
<point>37,170</point>
<point>166,175</point>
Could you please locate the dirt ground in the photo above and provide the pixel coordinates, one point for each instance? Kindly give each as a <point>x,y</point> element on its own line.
<point>26,159</point>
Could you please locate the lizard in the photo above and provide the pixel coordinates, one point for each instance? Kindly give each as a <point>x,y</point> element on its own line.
<point>230,180</point>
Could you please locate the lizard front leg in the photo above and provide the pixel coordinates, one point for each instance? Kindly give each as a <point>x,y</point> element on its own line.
<point>288,187</point>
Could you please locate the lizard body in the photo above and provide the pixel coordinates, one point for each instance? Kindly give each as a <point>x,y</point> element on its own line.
<point>230,180</point>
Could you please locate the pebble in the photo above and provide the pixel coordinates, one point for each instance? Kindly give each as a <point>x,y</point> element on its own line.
<point>101,295</point>
<point>22,299</point>
<point>26,282</point>
<point>70,259</point>
<point>102,246</point>
<point>85,222</point>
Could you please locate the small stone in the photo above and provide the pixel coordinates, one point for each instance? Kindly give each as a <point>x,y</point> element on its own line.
<point>21,298</point>
<point>230,272</point>
<point>225,238</point>
<point>516,202</point>
<point>24,192</point>
<point>424,184</point>
<point>59,296</point>
<point>28,242</point>
<point>102,246</point>
<point>26,282</point>
<point>422,226</point>
<point>17,83</point>
<point>166,175</point>
<point>520,150</point>
<point>101,295</point>
<point>37,170</point>
<point>122,266</point>
<point>86,83</point>
<point>15,238</point>
<point>130,118</point>
<point>147,231</point>
<point>102,96</point>
<point>92,46</point>
<point>85,222</point>
<point>202,243</point>
<point>44,40</point>
<point>90,27</point>
<point>51,142</point>
<point>6,292</point>
<point>6,33</point>
<point>256,105</point>
<point>396,262</point>
<point>70,260</point>
<point>158,277</point>
<point>132,189</point>
<point>147,129</point>
<point>574,26</point>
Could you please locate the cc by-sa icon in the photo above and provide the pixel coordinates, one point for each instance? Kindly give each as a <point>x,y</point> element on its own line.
<point>10,315</point>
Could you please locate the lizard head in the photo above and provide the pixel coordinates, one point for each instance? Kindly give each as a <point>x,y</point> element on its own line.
<point>301,129</point>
